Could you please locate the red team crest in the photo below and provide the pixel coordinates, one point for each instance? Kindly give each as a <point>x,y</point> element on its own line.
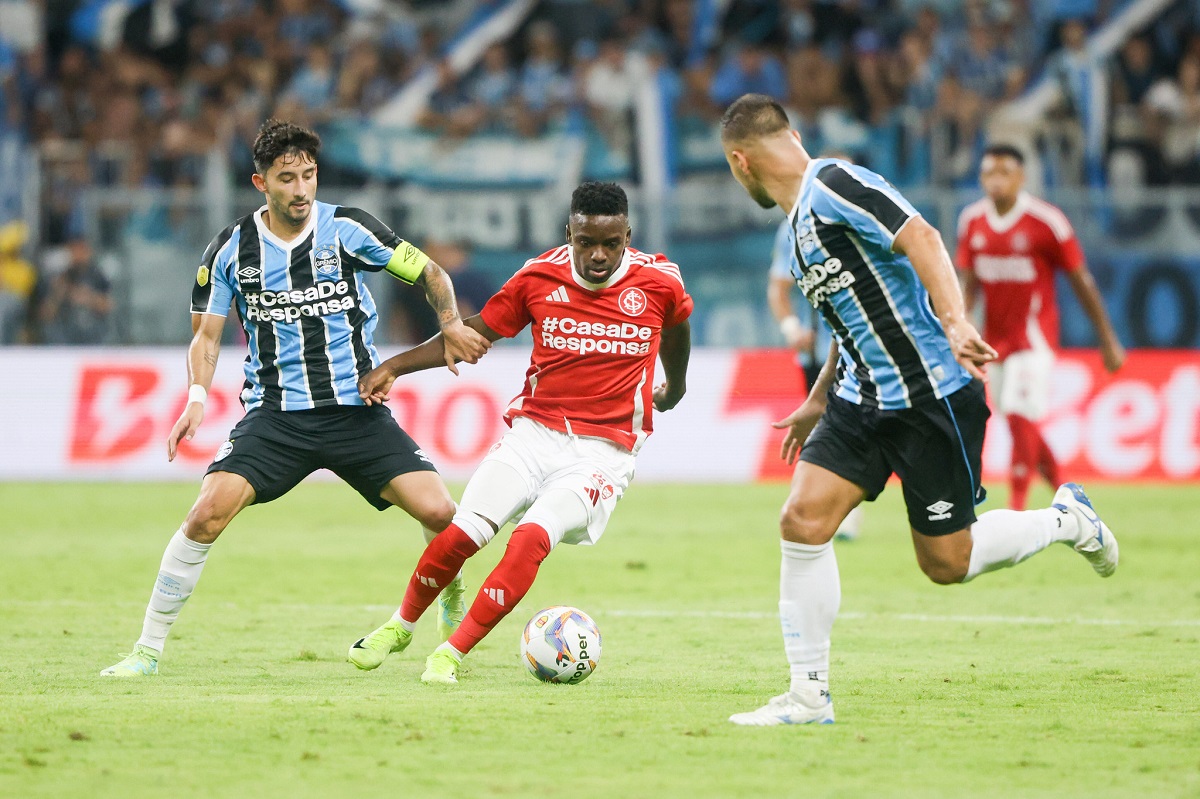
<point>632,301</point>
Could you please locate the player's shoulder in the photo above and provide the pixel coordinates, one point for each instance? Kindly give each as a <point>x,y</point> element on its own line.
<point>549,264</point>
<point>974,211</point>
<point>1049,215</point>
<point>225,242</point>
<point>655,268</point>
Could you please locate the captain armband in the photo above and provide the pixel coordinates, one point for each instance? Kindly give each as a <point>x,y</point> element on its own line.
<point>407,263</point>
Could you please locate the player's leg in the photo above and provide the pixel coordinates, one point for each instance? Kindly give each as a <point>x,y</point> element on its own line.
<point>840,466</point>
<point>573,504</point>
<point>222,496</point>
<point>499,489</point>
<point>1012,384</point>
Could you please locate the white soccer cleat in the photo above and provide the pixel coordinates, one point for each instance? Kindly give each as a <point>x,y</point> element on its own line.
<point>790,708</point>
<point>1095,541</point>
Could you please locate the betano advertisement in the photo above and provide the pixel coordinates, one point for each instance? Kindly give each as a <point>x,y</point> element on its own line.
<point>102,414</point>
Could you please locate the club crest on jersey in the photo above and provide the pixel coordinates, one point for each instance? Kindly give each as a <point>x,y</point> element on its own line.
<point>202,276</point>
<point>632,301</point>
<point>327,261</point>
<point>1020,242</point>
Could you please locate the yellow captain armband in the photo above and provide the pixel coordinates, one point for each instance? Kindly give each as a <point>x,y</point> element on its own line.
<point>407,263</point>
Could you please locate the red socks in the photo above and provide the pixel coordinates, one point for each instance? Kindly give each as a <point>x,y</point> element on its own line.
<point>504,587</point>
<point>439,564</point>
<point>1030,454</point>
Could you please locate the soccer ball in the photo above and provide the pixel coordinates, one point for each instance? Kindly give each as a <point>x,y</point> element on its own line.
<point>561,645</point>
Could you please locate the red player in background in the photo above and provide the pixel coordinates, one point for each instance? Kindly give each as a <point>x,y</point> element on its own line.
<point>1009,245</point>
<point>598,309</point>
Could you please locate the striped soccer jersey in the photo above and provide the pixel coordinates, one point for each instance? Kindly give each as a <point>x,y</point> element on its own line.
<point>308,316</point>
<point>893,350</point>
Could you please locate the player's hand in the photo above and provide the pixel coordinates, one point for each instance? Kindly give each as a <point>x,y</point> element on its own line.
<point>799,424</point>
<point>1113,355</point>
<point>463,344</point>
<point>800,340</point>
<point>186,427</point>
<point>666,397</point>
<point>969,348</point>
<point>375,385</point>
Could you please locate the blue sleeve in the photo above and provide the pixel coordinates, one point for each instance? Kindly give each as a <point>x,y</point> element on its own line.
<point>214,285</point>
<point>783,254</point>
<point>862,200</point>
<point>368,240</point>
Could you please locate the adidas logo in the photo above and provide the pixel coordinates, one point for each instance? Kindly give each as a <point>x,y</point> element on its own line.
<point>496,595</point>
<point>558,295</point>
<point>428,581</point>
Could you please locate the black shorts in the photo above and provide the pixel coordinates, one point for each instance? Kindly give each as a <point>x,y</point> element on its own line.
<point>275,450</point>
<point>934,448</point>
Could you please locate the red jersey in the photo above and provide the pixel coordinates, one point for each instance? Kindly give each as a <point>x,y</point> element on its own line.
<point>1014,257</point>
<point>592,369</point>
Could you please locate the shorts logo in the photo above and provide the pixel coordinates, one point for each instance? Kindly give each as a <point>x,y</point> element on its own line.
<point>224,451</point>
<point>600,488</point>
<point>939,510</point>
<point>420,453</point>
<point>202,276</point>
<point>326,260</point>
<point>632,301</point>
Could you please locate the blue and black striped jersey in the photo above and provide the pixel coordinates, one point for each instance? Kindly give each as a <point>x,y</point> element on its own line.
<point>308,316</point>
<point>893,350</point>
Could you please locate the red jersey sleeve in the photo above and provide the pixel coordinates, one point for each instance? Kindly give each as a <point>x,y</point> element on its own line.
<point>963,258</point>
<point>1068,253</point>
<point>507,312</point>
<point>680,304</point>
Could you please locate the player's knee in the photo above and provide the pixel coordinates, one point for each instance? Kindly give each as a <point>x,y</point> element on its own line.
<point>436,514</point>
<point>206,521</point>
<point>801,522</point>
<point>944,572</point>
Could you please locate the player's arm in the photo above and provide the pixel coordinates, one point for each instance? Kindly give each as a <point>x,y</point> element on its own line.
<point>460,342</point>
<point>779,300</point>
<point>800,422</point>
<point>1084,286</point>
<point>924,247</point>
<point>674,351</point>
<point>430,354</point>
<point>202,365</point>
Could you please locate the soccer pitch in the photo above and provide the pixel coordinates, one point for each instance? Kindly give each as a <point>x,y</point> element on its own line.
<point>1042,680</point>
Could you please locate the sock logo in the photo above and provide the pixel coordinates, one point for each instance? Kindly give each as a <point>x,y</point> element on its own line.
<point>939,510</point>
<point>427,581</point>
<point>496,595</point>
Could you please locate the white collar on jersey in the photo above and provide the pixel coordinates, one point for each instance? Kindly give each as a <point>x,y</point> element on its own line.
<point>286,246</point>
<point>999,223</point>
<point>615,277</point>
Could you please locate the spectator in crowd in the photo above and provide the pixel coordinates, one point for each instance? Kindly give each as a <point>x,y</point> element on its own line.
<point>609,90</point>
<point>17,281</point>
<point>748,68</point>
<point>412,320</point>
<point>544,90</point>
<point>76,303</point>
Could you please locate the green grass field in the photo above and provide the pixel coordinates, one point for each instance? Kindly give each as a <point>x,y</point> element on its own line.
<point>1042,680</point>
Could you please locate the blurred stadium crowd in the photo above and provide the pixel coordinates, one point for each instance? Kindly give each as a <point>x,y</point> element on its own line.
<point>139,93</point>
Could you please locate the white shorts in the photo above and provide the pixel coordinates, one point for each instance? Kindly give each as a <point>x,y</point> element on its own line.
<point>566,484</point>
<point>1021,383</point>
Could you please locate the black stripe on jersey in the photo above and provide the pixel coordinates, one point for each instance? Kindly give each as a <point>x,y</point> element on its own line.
<point>314,333</point>
<point>356,316</point>
<point>380,231</point>
<point>889,327</point>
<point>872,200</point>
<point>202,294</point>
<point>249,275</point>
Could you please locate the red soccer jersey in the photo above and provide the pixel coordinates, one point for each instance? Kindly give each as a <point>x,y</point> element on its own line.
<point>1014,257</point>
<point>592,370</point>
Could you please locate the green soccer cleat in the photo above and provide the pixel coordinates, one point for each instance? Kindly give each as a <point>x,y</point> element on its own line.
<point>452,607</point>
<point>141,662</point>
<point>368,653</point>
<point>442,668</point>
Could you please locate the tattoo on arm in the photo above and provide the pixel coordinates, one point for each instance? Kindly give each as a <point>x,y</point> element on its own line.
<point>439,291</point>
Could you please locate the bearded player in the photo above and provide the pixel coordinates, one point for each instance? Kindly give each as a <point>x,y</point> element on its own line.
<point>601,312</point>
<point>1009,246</point>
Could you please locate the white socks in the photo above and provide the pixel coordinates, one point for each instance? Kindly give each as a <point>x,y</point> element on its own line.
<point>177,577</point>
<point>1001,538</point>
<point>809,595</point>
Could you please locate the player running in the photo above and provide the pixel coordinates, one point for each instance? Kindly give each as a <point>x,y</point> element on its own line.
<point>598,309</point>
<point>293,270</point>
<point>1009,244</point>
<point>901,392</point>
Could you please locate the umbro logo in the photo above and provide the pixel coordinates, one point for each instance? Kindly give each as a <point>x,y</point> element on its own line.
<point>249,273</point>
<point>558,295</point>
<point>939,510</point>
<point>496,595</point>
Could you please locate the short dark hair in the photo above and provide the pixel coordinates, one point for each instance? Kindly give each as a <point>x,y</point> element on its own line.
<point>1005,150</point>
<point>599,199</point>
<point>751,116</point>
<point>278,137</point>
